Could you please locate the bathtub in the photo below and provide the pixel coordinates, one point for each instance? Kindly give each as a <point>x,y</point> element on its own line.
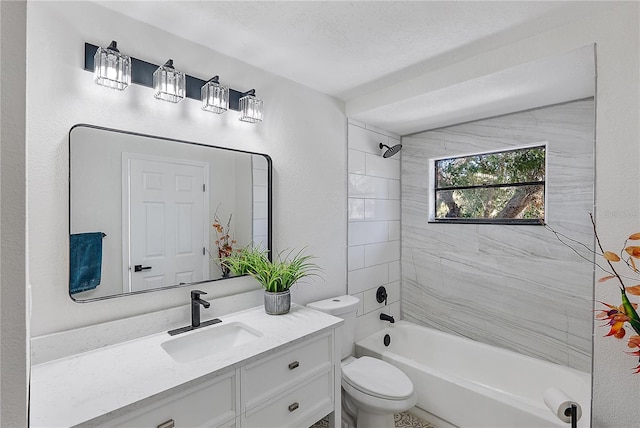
<point>474,385</point>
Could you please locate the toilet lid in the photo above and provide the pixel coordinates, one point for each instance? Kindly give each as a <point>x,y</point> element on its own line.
<point>377,378</point>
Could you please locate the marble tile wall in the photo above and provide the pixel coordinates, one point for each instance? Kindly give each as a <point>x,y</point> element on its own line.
<point>515,287</point>
<point>374,225</point>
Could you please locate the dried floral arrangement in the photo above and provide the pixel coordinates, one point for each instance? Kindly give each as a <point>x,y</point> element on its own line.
<point>224,241</point>
<point>626,314</point>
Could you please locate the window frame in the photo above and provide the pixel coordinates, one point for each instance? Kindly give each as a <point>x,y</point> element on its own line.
<point>433,191</point>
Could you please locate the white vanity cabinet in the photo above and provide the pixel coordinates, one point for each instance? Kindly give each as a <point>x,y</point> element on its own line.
<point>287,376</point>
<point>213,404</point>
<point>292,388</point>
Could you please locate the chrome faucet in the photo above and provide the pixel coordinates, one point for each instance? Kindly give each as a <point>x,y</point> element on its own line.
<point>196,301</point>
<point>385,317</point>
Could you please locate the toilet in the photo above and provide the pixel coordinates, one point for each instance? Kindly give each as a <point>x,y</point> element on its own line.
<point>372,389</point>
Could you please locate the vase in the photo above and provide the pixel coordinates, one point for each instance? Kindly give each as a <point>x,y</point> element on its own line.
<point>277,303</point>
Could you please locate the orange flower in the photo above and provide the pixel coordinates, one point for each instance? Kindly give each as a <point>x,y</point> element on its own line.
<point>633,251</point>
<point>616,318</point>
<point>635,236</point>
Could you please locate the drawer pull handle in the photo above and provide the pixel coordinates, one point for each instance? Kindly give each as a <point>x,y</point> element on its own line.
<point>293,407</point>
<point>293,365</point>
<point>168,424</point>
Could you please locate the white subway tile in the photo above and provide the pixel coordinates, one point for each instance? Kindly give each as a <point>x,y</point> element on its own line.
<point>260,193</point>
<point>362,186</point>
<point>393,292</point>
<point>389,134</point>
<point>394,271</point>
<point>365,140</point>
<point>394,310</point>
<point>381,209</point>
<point>260,177</point>
<point>259,210</point>
<point>355,257</point>
<point>357,164</point>
<point>367,232</point>
<point>394,189</point>
<point>369,277</point>
<point>260,227</point>
<point>360,297</point>
<point>394,230</point>
<point>377,166</point>
<point>356,209</point>
<point>370,323</point>
<point>370,302</point>
<point>384,252</point>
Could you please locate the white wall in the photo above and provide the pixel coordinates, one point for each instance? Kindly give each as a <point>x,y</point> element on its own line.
<point>374,225</point>
<point>14,356</point>
<point>303,131</point>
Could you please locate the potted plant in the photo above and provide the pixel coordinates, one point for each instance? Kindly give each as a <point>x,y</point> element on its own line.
<point>276,276</point>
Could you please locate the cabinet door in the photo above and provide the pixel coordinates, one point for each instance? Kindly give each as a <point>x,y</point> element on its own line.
<point>210,404</point>
<point>285,370</point>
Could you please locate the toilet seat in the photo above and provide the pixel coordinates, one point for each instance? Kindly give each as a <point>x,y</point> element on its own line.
<point>377,378</point>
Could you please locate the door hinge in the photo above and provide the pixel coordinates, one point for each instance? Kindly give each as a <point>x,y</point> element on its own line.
<point>204,187</point>
<point>204,251</point>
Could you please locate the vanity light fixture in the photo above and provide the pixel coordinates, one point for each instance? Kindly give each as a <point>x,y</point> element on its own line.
<point>171,85</point>
<point>215,97</point>
<point>111,68</point>
<point>250,107</point>
<point>168,83</point>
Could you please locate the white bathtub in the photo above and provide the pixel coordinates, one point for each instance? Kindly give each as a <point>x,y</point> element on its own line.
<point>474,385</point>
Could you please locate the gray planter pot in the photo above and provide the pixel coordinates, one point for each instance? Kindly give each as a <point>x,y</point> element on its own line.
<point>277,303</point>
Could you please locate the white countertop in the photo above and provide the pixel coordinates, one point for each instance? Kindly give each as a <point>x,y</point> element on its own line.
<point>94,386</point>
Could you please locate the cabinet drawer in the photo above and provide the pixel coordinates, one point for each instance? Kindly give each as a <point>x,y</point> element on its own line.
<point>284,370</point>
<point>211,404</point>
<point>311,400</point>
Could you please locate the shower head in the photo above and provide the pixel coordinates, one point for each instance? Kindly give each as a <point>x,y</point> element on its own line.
<point>390,150</point>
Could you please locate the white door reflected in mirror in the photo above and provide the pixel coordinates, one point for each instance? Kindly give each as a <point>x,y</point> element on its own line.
<point>166,222</point>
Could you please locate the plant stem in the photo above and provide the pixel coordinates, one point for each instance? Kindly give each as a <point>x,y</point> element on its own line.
<point>595,232</point>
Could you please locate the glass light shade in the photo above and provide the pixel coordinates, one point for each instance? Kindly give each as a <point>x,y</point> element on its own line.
<point>250,109</point>
<point>168,83</point>
<point>215,97</point>
<point>111,68</point>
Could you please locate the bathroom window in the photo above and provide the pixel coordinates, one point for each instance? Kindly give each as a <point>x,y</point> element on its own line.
<point>506,187</point>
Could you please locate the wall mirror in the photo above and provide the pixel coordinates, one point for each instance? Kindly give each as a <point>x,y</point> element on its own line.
<point>143,210</point>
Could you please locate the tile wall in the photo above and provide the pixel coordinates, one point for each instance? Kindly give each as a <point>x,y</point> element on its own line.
<point>260,203</point>
<point>374,225</point>
<point>515,287</point>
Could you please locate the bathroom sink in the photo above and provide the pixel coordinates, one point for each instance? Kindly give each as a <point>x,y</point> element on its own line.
<point>209,341</point>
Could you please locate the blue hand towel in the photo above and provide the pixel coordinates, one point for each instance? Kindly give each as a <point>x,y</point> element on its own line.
<point>86,261</point>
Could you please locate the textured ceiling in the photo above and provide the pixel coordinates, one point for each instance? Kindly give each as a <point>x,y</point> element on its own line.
<point>349,49</point>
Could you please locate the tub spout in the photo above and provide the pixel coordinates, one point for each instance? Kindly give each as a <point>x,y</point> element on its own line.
<point>385,317</point>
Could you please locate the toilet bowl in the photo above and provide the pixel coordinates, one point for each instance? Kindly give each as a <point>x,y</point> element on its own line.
<point>372,389</point>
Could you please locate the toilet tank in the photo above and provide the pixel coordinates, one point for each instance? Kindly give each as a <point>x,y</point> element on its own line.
<point>344,307</point>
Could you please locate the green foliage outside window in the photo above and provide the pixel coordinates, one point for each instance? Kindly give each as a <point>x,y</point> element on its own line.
<point>501,186</point>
